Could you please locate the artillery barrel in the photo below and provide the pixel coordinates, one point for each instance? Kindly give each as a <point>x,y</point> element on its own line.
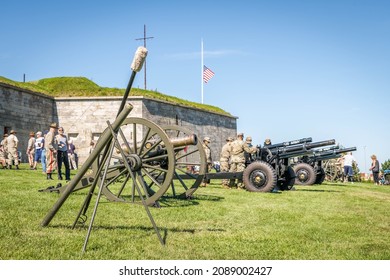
<point>300,150</point>
<point>333,153</point>
<point>184,141</point>
<point>288,143</point>
<point>100,145</point>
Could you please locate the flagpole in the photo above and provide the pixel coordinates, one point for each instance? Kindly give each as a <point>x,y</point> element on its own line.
<point>201,76</point>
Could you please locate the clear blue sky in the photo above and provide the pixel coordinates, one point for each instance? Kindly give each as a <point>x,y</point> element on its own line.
<point>286,69</point>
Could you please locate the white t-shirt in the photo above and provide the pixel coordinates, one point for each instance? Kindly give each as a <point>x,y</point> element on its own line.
<point>348,159</point>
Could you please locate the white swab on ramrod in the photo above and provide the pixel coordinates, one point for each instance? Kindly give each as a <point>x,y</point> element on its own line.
<point>139,58</point>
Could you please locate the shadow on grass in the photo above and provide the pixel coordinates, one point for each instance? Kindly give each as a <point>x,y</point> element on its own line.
<point>145,229</point>
<point>317,190</point>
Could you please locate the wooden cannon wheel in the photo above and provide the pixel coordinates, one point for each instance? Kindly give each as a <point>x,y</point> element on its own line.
<point>151,157</point>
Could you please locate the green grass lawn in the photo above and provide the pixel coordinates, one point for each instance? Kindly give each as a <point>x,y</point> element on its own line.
<point>325,222</point>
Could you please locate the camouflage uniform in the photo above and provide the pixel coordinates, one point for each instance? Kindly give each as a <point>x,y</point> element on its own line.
<point>209,161</point>
<point>225,160</point>
<point>237,159</point>
<point>12,146</point>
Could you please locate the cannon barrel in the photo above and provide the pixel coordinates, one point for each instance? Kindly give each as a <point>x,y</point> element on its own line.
<point>288,143</point>
<point>184,141</point>
<point>104,139</point>
<point>300,149</point>
<point>332,154</point>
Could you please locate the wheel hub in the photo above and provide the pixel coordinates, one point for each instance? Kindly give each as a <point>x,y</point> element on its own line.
<point>135,162</point>
<point>302,176</point>
<point>258,178</point>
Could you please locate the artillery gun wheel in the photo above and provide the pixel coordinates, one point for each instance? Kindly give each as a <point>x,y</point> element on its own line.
<point>333,171</point>
<point>190,163</point>
<point>320,176</point>
<point>305,173</point>
<point>151,157</point>
<point>289,179</point>
<point>259,176</point>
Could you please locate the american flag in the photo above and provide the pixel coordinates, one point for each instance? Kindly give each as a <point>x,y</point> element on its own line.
<point>207,74</point>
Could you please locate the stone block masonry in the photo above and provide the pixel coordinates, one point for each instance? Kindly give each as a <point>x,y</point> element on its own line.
<point>84,118</point>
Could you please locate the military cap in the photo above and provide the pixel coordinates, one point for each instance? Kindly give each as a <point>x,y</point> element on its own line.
<point>229,138</point>
<point>5,135</point>
<point>248,139</point>
<point>12,131</point>
<point>39,133</point>
<point>240,134</point>
<point>54,125</point>
<point>267,141</point>
<point>207,139</point>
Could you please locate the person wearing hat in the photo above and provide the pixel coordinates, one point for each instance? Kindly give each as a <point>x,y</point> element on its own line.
<point>248,156</point>
<point>3,151</point>
<point>38,146</point>
<point>31,149</point>
<point>207,150</point>
<point>267,142</point>
<point>12,145</point>
<point>237,160</point>
<point>51,150</point>
<point>225,160</point>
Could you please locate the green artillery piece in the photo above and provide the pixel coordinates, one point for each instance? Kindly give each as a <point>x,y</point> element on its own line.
<point>310,169</point>
<point>278,157</point>
<point>269,168</point>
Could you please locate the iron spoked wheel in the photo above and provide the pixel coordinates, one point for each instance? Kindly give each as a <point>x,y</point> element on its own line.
<point>259,176</point>
<point>305,174</point>
<point>149,154</point>
<point>190,163</point>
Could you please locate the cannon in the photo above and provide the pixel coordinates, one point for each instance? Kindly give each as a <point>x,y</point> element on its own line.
<point>310,169</point>
<point>269,169</point>
<point>279,159</point>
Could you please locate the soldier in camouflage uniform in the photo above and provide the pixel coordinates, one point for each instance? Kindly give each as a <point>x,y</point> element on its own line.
<point>225,160</point>
<point>12,146</point>
<point>207,151</point>
<point>237,159</point>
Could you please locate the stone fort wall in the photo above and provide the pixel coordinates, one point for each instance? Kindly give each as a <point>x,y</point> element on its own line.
<point>84,118</point>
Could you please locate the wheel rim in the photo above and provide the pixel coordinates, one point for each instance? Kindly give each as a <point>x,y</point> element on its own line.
<point>150,155</point>
<point>258,178</point>
<point>302,175</point>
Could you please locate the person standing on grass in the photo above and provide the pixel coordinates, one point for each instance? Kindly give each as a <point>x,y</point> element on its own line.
<point>62,153</point>
<point>348,163</point>
<point>39,142</point>
<point>51,151</point>
<point>375,169</point>
<point>13,156</point>
<point>31,149</point>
